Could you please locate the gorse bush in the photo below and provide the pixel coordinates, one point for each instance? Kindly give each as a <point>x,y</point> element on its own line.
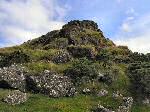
<point>15,57</point>
<point>139,74</point>
<point>82,68</point>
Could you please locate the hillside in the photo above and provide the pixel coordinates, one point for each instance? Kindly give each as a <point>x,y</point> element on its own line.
<point>74,69</point>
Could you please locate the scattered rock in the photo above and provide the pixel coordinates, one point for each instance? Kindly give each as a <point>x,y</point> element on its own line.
<point>86,91</point>
<point>126,105</point>
<point>102,92</point>
<point>104,78</point>
<point>16,97</point>
<point>146,101</point>
<point>13,77</point>
<point>51,84</point>
<point>100,108</point>
<point>116,95</point>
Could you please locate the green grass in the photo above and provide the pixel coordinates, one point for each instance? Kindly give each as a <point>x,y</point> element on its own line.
<point>79,103</point>
<point>40,103</point>
<point>37,67</point>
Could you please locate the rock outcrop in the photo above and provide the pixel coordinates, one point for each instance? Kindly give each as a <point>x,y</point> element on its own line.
<point>51,84</point>
<point>13,77</point>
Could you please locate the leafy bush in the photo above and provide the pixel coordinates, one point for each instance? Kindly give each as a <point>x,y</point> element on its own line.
<point>139,74</point>
<point>82,68</point>
<point>15,57</point>
<point>82,51</point>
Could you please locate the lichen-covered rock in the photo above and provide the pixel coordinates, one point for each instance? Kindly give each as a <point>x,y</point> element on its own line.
<point>51,84</point>
<point>61,57</point>
<point>86,91</point>
<point>102,92</point>
<point>116,95</point>
<point>16,97</point>
<point>100,108</point>
<point>126,105</point>
<point>146,101</point>
<point>13,77</point>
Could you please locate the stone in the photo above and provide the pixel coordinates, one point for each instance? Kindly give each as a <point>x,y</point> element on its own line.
<point>126,105</point>
<point>16,97</point>
<point>51,84</point>
<point>104,78</point>
<point>116,95</point>
<point>146,101</point>
<point>102,92</point>
<point>101,108</point>
<point>13,77</point>
<point>86,91</point>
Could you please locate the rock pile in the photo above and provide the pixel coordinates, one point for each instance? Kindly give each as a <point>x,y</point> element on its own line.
<point>51,84</point>
<point>16,97</point>
<point>13,77</point>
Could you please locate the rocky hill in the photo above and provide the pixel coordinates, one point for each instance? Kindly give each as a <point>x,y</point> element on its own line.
<point>79,67</point>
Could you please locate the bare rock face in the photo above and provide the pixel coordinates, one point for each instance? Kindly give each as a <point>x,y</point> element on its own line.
<point>13,77</point>
<point>51,84</point>
<point>16,97</point>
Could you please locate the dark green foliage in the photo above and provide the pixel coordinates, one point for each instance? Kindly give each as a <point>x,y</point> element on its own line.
<point>43,40</point>
<point>15,57</point>
<point>82,51</point>
<point>139,74</point>
<point>139,57</point>
<point>82,68</point>
<point>58,43</point>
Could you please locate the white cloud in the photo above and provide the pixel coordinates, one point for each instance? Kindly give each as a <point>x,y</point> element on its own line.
<point>27,19</point>
<point>125,27</point>
<point>139,36</point>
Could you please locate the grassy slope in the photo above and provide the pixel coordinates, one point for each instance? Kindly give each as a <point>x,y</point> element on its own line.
<point>80,103</point>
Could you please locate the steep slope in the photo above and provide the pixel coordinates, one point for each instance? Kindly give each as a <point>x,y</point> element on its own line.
<point>78,62</point>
